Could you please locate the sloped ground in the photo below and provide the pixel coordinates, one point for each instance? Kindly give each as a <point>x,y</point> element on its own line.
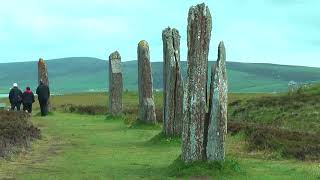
<point>299,110</point>
<point>287,123</point>
<point>16,132</point>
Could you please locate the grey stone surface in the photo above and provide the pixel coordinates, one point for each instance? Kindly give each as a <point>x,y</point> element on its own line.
<point>217,129</point>
<point>115,84</point>
<point>43,75</point>
<point>147,112</point>
<point>195,97</point>
<point>172,83</point>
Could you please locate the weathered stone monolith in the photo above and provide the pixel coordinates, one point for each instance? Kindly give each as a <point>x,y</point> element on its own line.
<point>218,105</point>
<point>115,84</point>
<point>147,112</point>
<point>195,100</point>
<point>43,76</point>
<point>172,83</point>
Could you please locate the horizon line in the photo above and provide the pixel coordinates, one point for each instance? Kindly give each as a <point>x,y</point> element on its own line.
<point>65,58</point>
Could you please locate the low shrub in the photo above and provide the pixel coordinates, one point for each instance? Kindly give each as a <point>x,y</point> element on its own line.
<point>300,145</point>
<point>16,131</point>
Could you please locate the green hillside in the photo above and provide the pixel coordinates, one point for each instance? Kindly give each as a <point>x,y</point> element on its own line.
<point>90,74</point>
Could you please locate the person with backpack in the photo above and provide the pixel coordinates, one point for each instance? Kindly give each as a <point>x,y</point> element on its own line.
<point>27,100</point>
<point>43,93</point>
<point>15,97</point>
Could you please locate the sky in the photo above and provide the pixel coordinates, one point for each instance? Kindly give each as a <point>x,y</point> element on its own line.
<point>257,31</point>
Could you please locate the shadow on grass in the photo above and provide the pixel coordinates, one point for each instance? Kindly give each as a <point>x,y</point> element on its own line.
<point>204,170</point>
<point>142,125</point>
<point>113,117</point>
<point>38,114</point>
<point>84,109</point>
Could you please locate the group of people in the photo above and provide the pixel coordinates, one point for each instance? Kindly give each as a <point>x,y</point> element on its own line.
<point>26,98</point>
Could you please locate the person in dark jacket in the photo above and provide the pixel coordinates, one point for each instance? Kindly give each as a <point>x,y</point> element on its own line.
<point>43,93</point>
<point>27,100</point>
<point>15,97</point>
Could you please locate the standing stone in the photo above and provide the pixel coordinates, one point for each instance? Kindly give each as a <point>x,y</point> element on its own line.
<point>195,97</point>
<point>115,84</point>
<point>43,75</point>
<point>217,129</point>
<point>172,83</point>
<point>146,101</point>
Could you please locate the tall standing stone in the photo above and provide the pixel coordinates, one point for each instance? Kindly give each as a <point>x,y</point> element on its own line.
<point>195,100</point>
<point>43,76</point>
<point>146,101</point>
<point>172,83</point>
<point>115,84</point>
<point>217,129</point>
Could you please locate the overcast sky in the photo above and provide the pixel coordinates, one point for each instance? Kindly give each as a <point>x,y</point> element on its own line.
<point>268,31</point>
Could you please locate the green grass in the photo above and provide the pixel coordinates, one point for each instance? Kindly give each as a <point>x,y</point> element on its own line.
<point>95,147</point>
<point>75,146</point>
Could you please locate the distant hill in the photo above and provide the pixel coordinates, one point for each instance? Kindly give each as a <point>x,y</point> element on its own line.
<point>79,74</point>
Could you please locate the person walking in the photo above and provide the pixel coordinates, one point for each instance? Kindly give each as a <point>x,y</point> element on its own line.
<point>15,97</point>
<point>43,93</point>
<point>27,100</point>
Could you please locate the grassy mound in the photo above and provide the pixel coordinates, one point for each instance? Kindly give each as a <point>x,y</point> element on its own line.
<point>15,132</point>
<point>204,170</point>
<point>287,123</point>
<point>299,110</point>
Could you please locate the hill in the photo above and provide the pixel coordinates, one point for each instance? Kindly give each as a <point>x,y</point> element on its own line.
<point>80,74</point>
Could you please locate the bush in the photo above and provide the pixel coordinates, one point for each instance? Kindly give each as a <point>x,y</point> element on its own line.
<point>300,145</point>
<point>16,131</point>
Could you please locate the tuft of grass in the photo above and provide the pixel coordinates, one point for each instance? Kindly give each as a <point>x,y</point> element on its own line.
<point>161,139</point>
<point>229,167</point>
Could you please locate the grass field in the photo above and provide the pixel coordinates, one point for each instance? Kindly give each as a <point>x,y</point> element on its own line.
<point>93,147</point>
<point>75,146</point>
